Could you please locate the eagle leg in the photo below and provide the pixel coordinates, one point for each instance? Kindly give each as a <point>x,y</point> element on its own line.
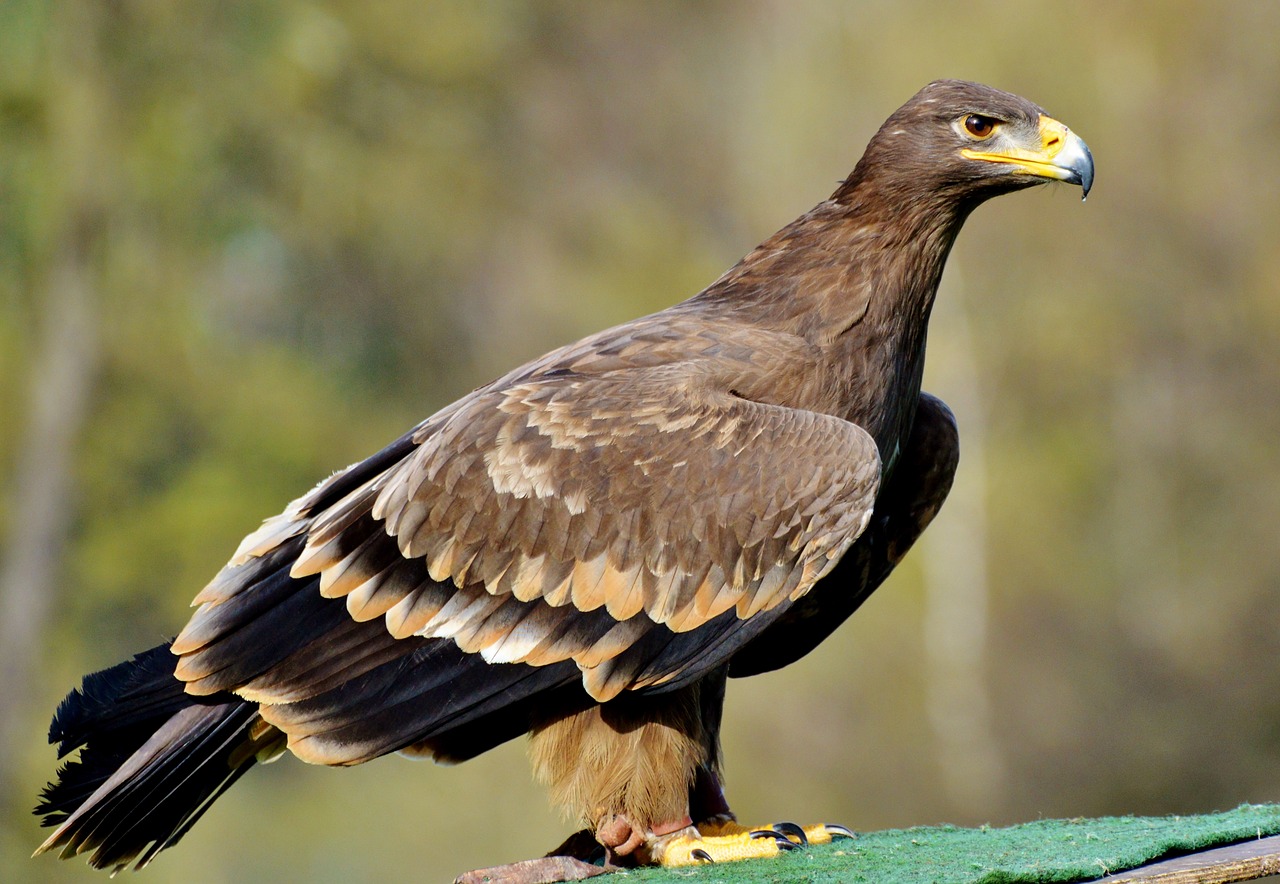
<point>643,772</point>
<point>639,770</point>
<point>707,803</point>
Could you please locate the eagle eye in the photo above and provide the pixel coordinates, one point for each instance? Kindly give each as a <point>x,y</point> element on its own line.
<point>979,126</point>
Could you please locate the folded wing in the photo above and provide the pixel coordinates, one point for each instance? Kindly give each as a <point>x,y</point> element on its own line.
<point>633,527</point>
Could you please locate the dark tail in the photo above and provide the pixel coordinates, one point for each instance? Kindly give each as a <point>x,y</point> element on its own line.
<point>152,759</point>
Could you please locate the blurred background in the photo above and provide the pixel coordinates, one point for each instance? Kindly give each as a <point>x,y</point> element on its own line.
<point>245,243</point>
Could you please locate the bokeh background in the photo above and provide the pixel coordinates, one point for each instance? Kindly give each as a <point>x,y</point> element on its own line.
<point>245,243</point>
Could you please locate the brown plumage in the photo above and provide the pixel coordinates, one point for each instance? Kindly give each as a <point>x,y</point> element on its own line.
<point>586,546</point>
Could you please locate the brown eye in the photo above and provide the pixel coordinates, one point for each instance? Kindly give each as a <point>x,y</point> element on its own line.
<point>979,126</point>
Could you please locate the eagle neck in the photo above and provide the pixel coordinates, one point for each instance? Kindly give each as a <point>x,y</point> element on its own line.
<point>878,360</point>
<point>856,278</point>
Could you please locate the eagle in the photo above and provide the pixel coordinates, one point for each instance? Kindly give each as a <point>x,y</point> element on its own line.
<point>586,548</point>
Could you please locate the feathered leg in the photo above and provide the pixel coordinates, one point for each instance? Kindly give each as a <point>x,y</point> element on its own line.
<point>626,768</point>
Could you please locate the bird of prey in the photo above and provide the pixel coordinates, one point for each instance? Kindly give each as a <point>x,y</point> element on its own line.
<point>587,547</point>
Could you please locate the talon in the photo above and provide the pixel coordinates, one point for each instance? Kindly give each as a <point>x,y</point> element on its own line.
<point>783,842</point>
<point>701,855</point>
<point>791,830</point>
<point>838,831</point>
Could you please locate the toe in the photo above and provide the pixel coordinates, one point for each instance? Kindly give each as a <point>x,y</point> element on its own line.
<point>726,841</point>
<point>686,851</point>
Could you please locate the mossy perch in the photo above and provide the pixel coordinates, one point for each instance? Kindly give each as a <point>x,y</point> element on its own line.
<point>1041,852</point>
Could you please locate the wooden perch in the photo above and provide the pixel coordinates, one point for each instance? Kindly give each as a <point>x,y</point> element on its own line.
<point>1247,861</point>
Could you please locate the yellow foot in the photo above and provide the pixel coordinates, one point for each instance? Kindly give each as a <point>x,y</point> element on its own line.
<point>729,842</point>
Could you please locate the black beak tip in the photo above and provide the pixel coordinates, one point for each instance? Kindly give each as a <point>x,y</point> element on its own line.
<point>1084,172</point>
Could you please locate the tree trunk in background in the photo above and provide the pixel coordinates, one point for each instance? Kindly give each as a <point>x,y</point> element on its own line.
<point>63,366</point>
<point>954,562</point>
<point>60,383</point>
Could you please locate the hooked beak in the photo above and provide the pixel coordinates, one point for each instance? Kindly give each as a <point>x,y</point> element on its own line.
<point>1061,156</point>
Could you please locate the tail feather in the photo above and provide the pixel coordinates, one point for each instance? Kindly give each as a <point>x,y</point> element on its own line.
<point>152,760</point>
<point>129,694</point>
<point>120,708</point>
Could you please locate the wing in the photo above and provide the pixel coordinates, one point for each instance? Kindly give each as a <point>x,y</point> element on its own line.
<point>907,503</point>
<point>630,493</point>
<point>641,524</point>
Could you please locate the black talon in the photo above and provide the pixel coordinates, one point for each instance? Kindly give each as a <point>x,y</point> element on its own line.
<point>701,855</point>
<point>783,842</point>
<point>837,831</point>
<point>791,830</point>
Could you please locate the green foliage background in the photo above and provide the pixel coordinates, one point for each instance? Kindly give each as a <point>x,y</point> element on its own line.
<point>299,227</point>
